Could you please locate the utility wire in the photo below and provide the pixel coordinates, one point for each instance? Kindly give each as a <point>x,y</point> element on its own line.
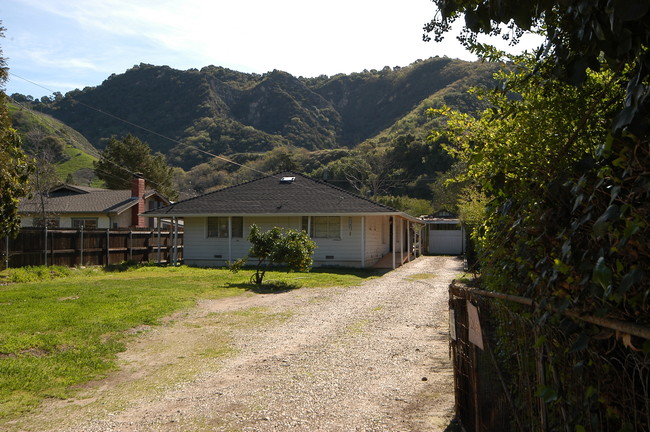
<point>223,158</point>
<point>98,156</point>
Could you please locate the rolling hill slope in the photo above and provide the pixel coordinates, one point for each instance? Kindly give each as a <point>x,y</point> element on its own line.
<point>227,112</point>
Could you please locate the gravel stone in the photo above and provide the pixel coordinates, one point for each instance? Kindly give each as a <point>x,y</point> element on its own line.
<point>372,358</point>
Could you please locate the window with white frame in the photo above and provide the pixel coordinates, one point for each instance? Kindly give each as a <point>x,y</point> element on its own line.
<point>89,223</point>
<point>218,227</point>
<point>326,227</point>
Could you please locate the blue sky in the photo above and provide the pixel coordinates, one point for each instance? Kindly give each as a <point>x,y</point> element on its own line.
<point>60,45</point>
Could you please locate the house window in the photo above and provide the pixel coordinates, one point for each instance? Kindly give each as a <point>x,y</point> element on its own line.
<point>87,223</point>
<point>153,205</point>
<point>305,225</point>
<point>327,227</point>
<point>50,222</point>
<point>218,227</point>
<point>237,227</point>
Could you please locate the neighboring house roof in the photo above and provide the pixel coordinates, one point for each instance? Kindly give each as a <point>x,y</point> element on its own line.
<point>271,195</point>
<point>442,216</point>
<point>80,199</point>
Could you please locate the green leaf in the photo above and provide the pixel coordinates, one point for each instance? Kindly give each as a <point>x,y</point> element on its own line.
<point>548,394</point>
<point>602,223</point>
<point>602,275</point>
<point>632,277</point>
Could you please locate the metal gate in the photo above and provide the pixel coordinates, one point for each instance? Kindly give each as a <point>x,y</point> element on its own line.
<point>481,403</point>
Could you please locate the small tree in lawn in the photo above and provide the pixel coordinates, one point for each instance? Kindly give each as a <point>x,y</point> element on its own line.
<point>278,247</point>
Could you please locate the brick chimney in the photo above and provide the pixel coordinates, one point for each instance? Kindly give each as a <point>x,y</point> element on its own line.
<point>137,191</point>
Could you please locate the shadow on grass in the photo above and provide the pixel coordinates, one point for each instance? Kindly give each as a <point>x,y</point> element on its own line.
<point>124,266</point>
<point>271,287</point>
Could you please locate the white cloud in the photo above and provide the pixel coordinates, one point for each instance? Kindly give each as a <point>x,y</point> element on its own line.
<point>290,34</point>
<point>77,41</point>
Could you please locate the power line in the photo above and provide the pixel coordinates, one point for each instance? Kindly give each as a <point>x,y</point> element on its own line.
<point>223,158</point>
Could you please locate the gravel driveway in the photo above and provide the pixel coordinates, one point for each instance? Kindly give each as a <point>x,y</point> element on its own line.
<point>369,358</point>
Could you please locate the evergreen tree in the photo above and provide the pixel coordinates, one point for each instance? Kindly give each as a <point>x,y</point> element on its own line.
<point>123,157</point>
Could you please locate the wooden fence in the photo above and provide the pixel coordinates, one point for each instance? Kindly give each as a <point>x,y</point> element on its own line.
<point>79,247</point>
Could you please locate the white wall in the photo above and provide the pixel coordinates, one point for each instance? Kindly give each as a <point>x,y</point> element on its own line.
<point>377,238</point>
<point>345,251</point>
<point>199,250</point>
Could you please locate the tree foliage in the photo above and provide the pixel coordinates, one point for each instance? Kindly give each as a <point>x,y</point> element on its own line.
<point>412,206</point>
<point>556,177</point>
<point>580,35</point>
<point>369,170</point>
<point>15,166</point>
<point>124,157</point>
<point>560,162</point>
<point>227,112</point>
<point>278,247</point>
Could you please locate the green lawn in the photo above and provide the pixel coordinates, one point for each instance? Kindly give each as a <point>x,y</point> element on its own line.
<point>66,331</point>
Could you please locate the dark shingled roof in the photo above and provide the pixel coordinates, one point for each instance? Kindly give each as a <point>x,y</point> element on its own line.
<point>271,195</point>
<point>80,199</point>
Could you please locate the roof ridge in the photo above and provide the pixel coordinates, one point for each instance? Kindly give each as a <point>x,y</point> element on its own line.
<point>307,184</point>
<point>218,190</point>
<point>340,189</point>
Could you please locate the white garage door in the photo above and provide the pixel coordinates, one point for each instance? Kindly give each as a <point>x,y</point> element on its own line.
<point>446,239</point>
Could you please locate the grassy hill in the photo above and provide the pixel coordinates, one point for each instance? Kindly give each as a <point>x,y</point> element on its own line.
<point>70,152</point>
<point>267,122</point>
<point>227,112</point>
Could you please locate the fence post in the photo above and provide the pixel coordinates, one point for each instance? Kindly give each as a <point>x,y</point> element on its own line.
<point>175,241</point>
<point>475,390</point>
<point>45,246</point>
<point>108,244</point>
<point>7,252</point>
<point>158,224</point>
<point>130,244</point>
<point>81,246</point>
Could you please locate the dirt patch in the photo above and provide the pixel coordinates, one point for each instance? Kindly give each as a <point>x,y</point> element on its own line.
<point>368,358</point>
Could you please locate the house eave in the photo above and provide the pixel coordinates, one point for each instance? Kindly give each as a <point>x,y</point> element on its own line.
<point>342,214</point>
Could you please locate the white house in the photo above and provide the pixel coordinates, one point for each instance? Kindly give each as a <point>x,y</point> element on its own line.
<point>70,206</point>
<point>349,230</point>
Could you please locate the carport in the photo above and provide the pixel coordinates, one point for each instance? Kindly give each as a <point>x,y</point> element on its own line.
<point>445,234</point>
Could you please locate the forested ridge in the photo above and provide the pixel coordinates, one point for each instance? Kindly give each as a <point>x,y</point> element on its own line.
<point>225,112</point>
<point>276,121</point>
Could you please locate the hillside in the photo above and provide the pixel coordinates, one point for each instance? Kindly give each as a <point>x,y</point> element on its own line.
<point>227,112</point>
<point>45,137</point>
